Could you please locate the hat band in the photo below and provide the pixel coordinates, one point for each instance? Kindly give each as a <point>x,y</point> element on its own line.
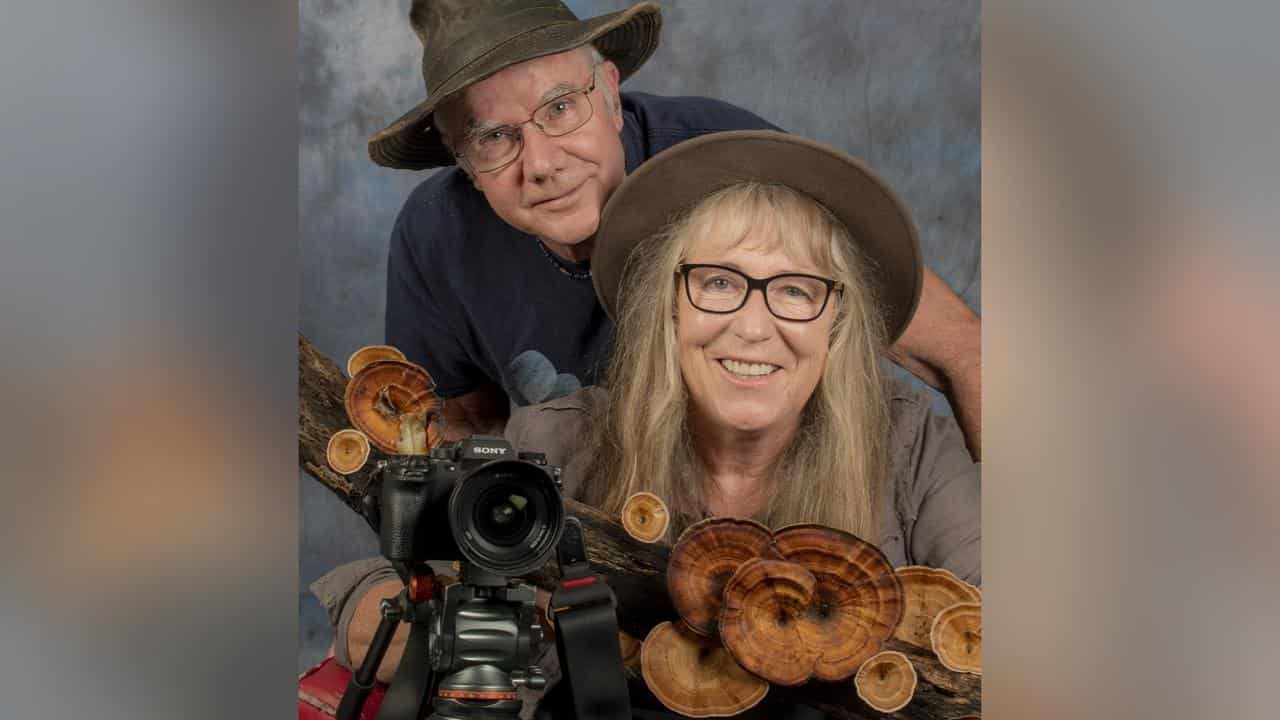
<point>474,45</point>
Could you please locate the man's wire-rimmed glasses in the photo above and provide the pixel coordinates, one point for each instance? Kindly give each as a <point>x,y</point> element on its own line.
<point>790,296</point>
<point>492,149</point>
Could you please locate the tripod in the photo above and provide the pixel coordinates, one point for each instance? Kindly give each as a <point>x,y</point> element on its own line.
<point>470,644</point>
<point>469,649</point>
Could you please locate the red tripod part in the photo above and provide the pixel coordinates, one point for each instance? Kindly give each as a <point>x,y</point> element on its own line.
<point>422,586</point>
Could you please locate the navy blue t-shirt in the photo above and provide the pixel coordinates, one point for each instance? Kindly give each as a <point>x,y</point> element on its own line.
<point>473,300</point>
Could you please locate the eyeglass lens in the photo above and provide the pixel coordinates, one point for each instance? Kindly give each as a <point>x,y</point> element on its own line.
<point>791,297</point>
<point>556,117</point>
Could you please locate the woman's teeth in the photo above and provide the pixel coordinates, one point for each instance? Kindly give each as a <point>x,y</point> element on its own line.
<point>748,369</point>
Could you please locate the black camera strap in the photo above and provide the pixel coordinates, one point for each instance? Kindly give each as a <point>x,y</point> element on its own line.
<point>583,610</point>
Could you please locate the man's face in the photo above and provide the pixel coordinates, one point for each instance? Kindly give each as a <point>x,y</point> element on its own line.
<point>557,187</point>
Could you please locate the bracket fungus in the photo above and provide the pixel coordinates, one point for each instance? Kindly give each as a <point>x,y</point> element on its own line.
<point>369,354</point>
<point>765,604</point>
<point>347,451</point>
<point>707,554</point>
<point>645,517</point>
<point>695,675</point>
<point>856,602</point>
<point>382,393</point>
<point>957,637</point>
<point>886,681</point>
<point>925,592</point>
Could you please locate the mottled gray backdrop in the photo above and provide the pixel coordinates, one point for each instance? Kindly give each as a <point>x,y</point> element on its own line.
<point>895,82</point>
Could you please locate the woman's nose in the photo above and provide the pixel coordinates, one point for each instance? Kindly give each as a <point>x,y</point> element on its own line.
<point>753,322</point>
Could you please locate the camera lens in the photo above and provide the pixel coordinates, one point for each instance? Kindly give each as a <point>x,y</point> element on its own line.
<point>506,516</point>
<point>502,516</point>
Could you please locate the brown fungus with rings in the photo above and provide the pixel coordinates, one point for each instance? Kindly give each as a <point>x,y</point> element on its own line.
<point>707,554</point>
<point>645,517</point>
<point>347,451</point>
<point>765,603</point>
<point>694,675</point>
<point>384,392</point>
<point>371,353</point>
<point>926,591</point>
<point>957,637</point>
<point>856,603</point>
<point>886,681</point>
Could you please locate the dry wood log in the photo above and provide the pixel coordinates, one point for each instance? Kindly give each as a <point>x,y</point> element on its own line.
<point>636,571</point>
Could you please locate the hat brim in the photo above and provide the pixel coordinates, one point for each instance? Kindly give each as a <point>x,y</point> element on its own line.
<point>627,38</point>
<point>671,182</point>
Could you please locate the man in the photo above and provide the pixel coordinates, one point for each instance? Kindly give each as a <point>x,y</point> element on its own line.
<point>489,284</point>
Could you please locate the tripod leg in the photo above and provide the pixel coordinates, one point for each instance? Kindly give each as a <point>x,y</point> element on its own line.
<point>411,686</point>
<point>363,678</point>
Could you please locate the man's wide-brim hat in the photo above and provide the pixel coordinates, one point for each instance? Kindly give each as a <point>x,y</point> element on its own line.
<point>672,182</point>
<point>466,41</point>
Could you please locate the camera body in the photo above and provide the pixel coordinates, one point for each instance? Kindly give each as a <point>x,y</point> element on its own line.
<point>479,500</point>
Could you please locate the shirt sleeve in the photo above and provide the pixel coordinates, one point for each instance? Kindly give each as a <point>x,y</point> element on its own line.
<point>416,321</point>
<point>947,495</point>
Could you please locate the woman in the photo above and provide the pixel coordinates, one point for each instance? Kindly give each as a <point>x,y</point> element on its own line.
<point>756,280</point>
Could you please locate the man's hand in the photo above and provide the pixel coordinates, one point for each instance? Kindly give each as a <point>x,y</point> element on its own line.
<point>943,347</point>
<point>482,411</point>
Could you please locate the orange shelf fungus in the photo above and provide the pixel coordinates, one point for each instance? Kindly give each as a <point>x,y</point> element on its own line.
<point>957,637</point>
<point>347,451</point>
<point>707,554</point>
<point>926,591</point>
<point>369,354</point>
<point>695,676</point>
<point>645,517</point>
<point>384,392</point>
<point>857,600</point>
<point>762,624</point>
<point>886,681</point>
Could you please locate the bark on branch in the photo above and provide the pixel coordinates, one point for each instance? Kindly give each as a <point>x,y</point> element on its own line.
<point>636,571</point>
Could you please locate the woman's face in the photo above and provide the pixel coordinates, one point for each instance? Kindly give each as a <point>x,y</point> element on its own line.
<point>749,370</point>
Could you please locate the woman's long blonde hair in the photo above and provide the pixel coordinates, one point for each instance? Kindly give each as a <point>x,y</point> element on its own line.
<point>833,471</point>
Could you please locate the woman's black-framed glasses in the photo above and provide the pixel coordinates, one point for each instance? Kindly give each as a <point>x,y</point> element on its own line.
<point>492,149</point>
<point>790,296</point>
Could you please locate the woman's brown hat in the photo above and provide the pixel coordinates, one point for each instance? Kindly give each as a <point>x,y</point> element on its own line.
<point>675,180</point>
<point>465,41</point>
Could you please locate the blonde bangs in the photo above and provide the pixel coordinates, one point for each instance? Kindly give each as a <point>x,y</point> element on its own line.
<point>764,218</point>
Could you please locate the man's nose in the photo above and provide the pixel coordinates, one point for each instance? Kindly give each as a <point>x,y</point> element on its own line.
<point>542,156</point>
<point>753,322</point>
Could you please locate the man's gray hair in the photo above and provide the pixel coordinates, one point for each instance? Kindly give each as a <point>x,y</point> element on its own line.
<point>447,112</point>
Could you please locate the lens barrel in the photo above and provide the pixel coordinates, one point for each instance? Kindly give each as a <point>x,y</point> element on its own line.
<point>506,516</point>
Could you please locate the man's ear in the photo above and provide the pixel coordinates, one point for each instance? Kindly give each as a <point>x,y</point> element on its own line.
<point>611,79</point>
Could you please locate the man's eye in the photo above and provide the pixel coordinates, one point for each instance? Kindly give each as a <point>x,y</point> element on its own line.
<point>494,136</point>
<point>561,106</point>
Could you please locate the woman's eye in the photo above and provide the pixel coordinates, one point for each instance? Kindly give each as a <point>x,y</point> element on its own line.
<point>796,292</point>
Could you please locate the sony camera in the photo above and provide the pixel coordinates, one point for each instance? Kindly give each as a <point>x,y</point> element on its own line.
<point>478,500</point>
